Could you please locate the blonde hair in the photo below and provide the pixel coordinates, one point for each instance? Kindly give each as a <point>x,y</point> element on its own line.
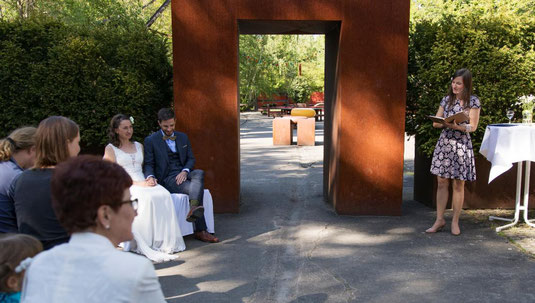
<point>15,248</point>
<point>51,140</point>
<point>19,139</point>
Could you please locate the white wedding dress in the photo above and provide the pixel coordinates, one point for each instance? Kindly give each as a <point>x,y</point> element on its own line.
<point>156,231</point>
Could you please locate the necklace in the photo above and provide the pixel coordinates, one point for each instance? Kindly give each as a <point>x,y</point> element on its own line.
<point>133,157</point>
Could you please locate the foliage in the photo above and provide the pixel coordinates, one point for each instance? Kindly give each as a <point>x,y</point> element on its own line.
<point>435,10</point>
<point>495,43</point>
<point>85,73</point>
<point>83,13</point>
<point>269,64</point>
<point>73,12</point>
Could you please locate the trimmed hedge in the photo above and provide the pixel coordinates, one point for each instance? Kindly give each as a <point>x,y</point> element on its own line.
<point>87,74</point>
<point>498,49</point>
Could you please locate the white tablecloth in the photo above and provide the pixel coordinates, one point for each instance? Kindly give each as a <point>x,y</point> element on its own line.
<point>504,145</point>
<point>181,203</point>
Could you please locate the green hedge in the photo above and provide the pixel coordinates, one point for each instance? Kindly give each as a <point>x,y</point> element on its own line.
<point>497,48</point>
<point>87,74</point>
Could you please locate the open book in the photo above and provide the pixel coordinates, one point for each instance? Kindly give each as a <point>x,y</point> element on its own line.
<point>458,117</point>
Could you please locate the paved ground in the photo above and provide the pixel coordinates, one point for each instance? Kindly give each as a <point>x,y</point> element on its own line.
<point>287,245</point>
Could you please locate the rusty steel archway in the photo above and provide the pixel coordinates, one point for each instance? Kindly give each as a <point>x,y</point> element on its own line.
<point>366,70</point>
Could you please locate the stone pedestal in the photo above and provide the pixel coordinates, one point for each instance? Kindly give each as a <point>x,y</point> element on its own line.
<point>306,131</point>
<point>282,131</point>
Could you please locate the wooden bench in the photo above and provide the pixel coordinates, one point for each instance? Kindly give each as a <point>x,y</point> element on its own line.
<point>319,113</point>
<point>267,104</point>
<point>272,112</point>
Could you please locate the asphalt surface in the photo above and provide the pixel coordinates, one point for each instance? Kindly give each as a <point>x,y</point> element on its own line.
<point>288,245</point>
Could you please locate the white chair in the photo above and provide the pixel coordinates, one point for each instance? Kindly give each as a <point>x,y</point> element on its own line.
<point>181,202</point>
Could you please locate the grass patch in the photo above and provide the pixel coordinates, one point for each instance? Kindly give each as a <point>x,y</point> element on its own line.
<point>520,235</point>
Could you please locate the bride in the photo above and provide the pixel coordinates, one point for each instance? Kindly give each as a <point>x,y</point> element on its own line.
<point>155,228</point>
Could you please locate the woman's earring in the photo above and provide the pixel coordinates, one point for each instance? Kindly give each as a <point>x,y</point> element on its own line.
<point>107,227</point>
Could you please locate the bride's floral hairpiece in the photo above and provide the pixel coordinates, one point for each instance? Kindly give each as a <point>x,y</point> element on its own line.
<point>131,119</point>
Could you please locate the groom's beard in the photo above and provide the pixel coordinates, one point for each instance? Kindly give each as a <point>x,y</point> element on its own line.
<point>168,133</point>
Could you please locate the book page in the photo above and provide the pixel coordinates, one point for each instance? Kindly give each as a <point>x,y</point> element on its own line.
<point>458,117</point>
<point>436,119</point>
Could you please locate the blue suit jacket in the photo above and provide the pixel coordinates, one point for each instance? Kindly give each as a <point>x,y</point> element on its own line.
<point>156,162</point>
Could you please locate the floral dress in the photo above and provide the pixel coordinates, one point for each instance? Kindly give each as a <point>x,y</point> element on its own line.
<point>453,157</point>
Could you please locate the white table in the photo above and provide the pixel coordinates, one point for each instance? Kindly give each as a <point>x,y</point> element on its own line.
<point>503,145</point>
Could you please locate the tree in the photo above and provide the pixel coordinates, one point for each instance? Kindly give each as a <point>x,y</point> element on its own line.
<point>269,64</point>
<point>88,73</point>
<point>494,39</point>
<point>19,8</point>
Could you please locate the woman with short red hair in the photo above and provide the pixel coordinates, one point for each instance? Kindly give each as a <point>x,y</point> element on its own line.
<point>92,200</point>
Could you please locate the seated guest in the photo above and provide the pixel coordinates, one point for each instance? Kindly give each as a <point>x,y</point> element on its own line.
<point>17,152</point>
<point>56,140</point>
<point>15,256</point>
<point>156,230</point>
<point>92,200</point>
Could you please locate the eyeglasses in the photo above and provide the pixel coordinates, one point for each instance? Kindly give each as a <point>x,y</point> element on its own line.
<point>133,203</point>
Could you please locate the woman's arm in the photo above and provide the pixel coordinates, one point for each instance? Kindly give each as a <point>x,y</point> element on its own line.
<point>440,113</point>
<point>148,288</point>
<point>468,127</point>
<point>109,154</point>
<point>474,120</point>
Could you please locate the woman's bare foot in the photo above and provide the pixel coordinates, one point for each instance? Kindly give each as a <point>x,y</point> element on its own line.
<point>455,229</point>
<point>438,226</point>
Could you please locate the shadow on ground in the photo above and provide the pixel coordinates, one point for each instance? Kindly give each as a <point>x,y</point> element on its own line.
<point>288,245</point>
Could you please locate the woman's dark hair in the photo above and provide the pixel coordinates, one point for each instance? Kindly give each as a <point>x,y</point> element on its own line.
<point>51,140</point>
<point>467,92</point>
<point>114,124</point>
<point>15,248</point>
<point>165,114</point>
<point>19,139</point>
<point>81,185</point>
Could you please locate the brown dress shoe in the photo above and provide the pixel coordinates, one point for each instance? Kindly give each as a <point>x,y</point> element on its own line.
<point>205,237</point>
<point>195,213</point>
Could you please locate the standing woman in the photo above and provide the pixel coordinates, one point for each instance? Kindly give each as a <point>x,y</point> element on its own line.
<point>57,139</point>
<point>17,153</point>
<point>453,158</point>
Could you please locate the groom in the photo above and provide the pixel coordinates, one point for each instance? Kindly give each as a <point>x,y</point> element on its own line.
<point>169,161</point>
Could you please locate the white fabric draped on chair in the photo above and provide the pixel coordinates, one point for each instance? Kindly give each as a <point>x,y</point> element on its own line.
<point>181,202</point>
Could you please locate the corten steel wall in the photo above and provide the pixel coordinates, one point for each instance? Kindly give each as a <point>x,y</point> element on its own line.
<point>364,158</point>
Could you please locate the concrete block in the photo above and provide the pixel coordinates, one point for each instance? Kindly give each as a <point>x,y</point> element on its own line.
<point>282,131</point>
<point>306,131</point>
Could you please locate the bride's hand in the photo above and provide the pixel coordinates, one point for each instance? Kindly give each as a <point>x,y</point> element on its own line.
<point>140,183</point>
<point>150,181</point>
